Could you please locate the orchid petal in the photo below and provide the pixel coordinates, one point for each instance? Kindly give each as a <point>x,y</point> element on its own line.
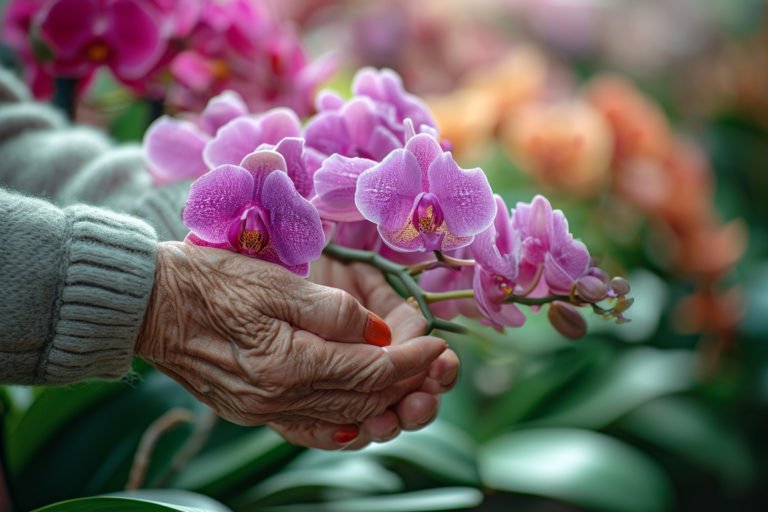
<point>215,200</point>
<point>426,150</point>
<point>327,133</point>
<point>196,240</point>
<point>192,70</point>
<point>294,225</point>
<point>175,150</point>
<point>292,149</point>
<point>328,100</point>
<point>134,36</point>
<point>222,109</point>
<point>382,143</point>
<point>278,124</point>
<point>261,164</point>
<point>564,266</point>
<point>335,184</point>
<point>465,196</point>
<point>233,142</point>
<point>405,239</point>
<point>68,25</point>
<point>499,314</point>
<point>386,192</point>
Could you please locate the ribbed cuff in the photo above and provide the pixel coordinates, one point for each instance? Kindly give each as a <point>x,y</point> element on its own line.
<point>108,273</point>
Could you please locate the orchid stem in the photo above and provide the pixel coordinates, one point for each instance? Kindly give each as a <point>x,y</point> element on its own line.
<point>431,297</point>
<point>402,273</point>
<point>65,96</point>
<point>536,301</point>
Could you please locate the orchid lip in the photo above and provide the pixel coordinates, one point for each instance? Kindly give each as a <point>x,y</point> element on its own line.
<point>427,216</point>
<point>248,233</point>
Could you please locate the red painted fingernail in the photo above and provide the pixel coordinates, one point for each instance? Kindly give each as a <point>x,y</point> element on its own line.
<point>346,434</point>
<point>377,331</point>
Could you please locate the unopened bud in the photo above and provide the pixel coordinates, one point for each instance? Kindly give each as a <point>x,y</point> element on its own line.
<point>567,320</point>
<point>591,289</point>
<point>620,286</point>
<point>599,273</point>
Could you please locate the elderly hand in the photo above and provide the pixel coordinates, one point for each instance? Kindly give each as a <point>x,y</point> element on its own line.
<point>260,345</point>
<point>414,410</point>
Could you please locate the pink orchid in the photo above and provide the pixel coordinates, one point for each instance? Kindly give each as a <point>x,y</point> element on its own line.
<point>255,210</point>
<point>175,147</point>
<point>421,200</point>
<point>370,125</point>
<point>278,129</point>
<point>238,45</point>
<point>126,35</point>
<point>548,246</point>
<point>497,253</point>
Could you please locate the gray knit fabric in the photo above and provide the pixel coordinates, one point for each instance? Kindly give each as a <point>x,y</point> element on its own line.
<point>76,279</point>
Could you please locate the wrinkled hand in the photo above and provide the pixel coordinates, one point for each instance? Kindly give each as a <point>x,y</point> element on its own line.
<point>416,409</point>
<point>259,344</point>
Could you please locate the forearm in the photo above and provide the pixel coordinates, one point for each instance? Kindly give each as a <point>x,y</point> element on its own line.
<point>76,284</point>
<point>41,155</point>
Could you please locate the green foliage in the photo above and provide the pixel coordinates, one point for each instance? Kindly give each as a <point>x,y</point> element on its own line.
<point>140,501</point>
<point>578,466</point>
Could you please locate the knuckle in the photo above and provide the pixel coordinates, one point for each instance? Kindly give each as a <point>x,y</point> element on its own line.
<point>348,309</point>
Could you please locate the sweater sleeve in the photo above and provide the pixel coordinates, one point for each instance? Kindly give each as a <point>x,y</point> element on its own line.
<point>42,155</point>
<point>76,284</point>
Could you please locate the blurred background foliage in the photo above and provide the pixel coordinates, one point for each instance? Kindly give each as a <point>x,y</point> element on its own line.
<point>669,412</point>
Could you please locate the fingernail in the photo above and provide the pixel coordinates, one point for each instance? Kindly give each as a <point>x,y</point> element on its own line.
<point>377,331</point>
<point>346,434</point>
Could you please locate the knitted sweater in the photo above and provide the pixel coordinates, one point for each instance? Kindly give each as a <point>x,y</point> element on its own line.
<point>76,279</point>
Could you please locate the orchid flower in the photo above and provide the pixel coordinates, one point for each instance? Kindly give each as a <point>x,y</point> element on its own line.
<point>254,209</point>
<point>175,147</point>
<point>548,247</point>
<point>278,129</point>
<point>239,45</point>
<point>126,35</point>
<point>371,124</point>
<point>421,200</point>
<point>497,253</point>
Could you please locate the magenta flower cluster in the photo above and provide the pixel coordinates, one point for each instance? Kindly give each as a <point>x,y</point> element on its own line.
<point>371,173</point>
<point>184,51</point>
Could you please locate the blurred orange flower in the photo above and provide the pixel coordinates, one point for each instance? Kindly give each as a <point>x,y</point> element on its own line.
<point>639,126</point>
<point>566,145</point>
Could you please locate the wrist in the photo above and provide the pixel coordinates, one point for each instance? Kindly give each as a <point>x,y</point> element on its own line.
<point>162,319</point>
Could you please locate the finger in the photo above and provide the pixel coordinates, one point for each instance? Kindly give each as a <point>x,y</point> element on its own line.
<point>375,290</point>
<point>322,435</point>
<point>407,322</point>
<point>338,406</point>
<point>382,428</point>
<point>332,314</point>
<point>364,368</point>
<point>445,371</point>
<point>417,410</point>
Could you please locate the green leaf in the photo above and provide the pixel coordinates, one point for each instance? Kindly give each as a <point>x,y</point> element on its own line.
<point>50,411</point>
<point>92,452</point>
<point>446,498</point>
<point>140,501</point>
<point>584,468</point>
<point>549,376</point>
<point>352,473</point>
<point>244,458</point>
<point>441,450</point>
<point>637,376</point>
<point>692,433</point>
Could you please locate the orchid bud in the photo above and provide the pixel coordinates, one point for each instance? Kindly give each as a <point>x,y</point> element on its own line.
<point>591,289</point>
<point>620,286</point>
<point>567,320</point>
<point>599,273</point>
